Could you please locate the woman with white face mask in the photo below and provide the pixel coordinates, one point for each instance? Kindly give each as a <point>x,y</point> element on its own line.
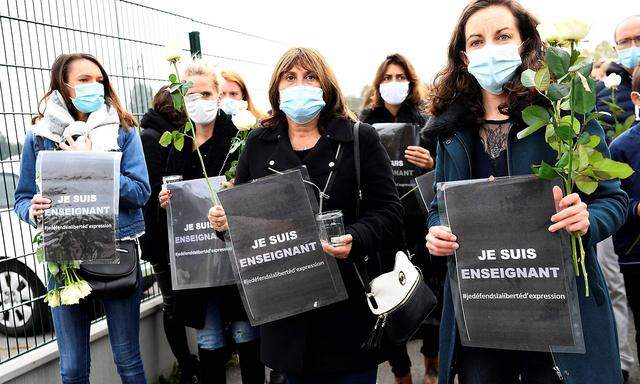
<point>219,306</point>
<point>477,105</point>
<point>312,126</point>
<point>398,97</point>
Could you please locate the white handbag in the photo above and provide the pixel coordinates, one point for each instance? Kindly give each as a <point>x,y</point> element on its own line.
<point>391,289</point>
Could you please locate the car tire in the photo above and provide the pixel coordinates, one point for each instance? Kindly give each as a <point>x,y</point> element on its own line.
<point>20,285</point>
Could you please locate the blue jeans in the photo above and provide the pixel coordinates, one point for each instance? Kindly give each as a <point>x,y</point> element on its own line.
<point>360,377</point>
<point>212,335</point>
<point>72,325</point>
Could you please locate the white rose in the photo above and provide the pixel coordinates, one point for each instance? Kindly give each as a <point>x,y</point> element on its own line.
<point>244,120</point>
<point>84,288</point>
<point>173,53</point>
<point>612,81</point>
<point>70,294</point>
<point>53,298</point>
<point>549,33</point>
<point>572,29</point>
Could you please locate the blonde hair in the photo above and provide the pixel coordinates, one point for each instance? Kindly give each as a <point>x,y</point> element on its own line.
<point>203,68</point>
<point>235,77</point>
<point>311,60</point>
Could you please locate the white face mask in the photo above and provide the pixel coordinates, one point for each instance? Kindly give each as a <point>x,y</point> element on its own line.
<point>202,111</point>
<point>394,92</point>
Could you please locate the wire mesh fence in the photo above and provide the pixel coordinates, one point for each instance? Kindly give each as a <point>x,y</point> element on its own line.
<point>129,39</point>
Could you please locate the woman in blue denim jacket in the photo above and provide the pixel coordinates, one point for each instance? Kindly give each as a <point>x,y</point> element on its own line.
<point>81,98</point>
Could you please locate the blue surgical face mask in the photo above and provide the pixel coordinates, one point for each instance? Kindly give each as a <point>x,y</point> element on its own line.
<point>89,97</point>
<point>494,65</point>
<point>230,106</point>
<point>301,103</point>
<point>629,57</point>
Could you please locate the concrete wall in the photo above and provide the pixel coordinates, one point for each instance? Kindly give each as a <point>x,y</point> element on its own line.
<point>41,365</point>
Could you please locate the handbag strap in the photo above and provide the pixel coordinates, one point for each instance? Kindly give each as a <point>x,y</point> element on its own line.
<point>364,276</point>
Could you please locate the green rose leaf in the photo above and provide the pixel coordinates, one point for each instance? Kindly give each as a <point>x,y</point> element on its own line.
<point>566,120</point>
<point>629,121</point>
<point>178,140</point>
<point>542,79</point>
<point>166,139</point>
<point>614,108</point>
<point>173,78</point>
<point>594,141</point>
<point>565,132</point>
<point>178,101</point>
<point>586,184</point>
<point>188,126</point>
<point>614,168</point>
<point>535,113</point>
<point>558,61</point>
<point>531,129</point>
<point>527,78</point>
<point>594,116</point>
<point>53,268</point>
<point>585,82</point>
<point>584,100</point>
<point>173,88</point>
<point>557,91</point>
<point>40,254</point>
<point>545,171</point>
<point>583,138</point>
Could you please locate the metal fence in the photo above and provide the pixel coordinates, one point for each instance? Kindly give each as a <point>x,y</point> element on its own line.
<point>129,39</point>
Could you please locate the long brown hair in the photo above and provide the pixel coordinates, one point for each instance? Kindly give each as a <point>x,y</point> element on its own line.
<point>59,76</point>
<point>416,89</point>
<point>454,84</point>
<point>311,60</point>
<point>235,77</point>
<point>162,103</point>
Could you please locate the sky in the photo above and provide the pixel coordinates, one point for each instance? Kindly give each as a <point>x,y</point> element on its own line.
<point>355,36</point>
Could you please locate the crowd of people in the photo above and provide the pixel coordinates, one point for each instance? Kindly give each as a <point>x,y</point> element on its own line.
<point>466,116</point>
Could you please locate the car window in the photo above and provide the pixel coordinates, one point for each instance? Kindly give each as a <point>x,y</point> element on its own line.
<point>8,183</point>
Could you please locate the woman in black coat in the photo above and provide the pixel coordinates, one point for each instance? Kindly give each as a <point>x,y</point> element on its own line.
<point>209,310</point>
<point>310,120</point>
<point>398,97</point>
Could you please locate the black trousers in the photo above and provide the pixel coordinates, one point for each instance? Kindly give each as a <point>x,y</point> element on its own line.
<point>631,276</point>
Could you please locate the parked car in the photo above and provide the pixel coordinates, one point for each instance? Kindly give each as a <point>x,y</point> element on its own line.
<point>23,311</point>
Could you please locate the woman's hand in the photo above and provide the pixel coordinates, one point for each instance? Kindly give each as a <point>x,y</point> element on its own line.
<point>341,251</point>
<point>218,219</point>
<point>72,145</point>
<point>164,197</point>
<point>441,242</point>
<point>572,213</point>
<point>419,157</point>
<point>38,205</point>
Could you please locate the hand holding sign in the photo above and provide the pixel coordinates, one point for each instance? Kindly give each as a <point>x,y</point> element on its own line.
<point>217,218</point>
<point>38,205</point>
<point>441,242</point>
<point>572,213</point>
<point>419,157</point>
<point>82,143</point>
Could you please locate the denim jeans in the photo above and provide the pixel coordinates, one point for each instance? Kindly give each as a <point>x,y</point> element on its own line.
<point>213,335</point>
<point>360,377</point>
<point>72,325</point>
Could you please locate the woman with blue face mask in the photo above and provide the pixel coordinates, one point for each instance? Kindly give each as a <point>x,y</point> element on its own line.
<point>213,310</point>
<point>477,105</point>
<point>398,97</point>
<point>312,126</point>
<point>83,113</point>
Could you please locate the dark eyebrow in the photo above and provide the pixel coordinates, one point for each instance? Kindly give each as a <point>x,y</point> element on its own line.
<point>502,30</point>
<point>474,35</point>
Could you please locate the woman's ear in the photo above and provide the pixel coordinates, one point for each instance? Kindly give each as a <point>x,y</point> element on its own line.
<point>463,56</point>
<point>635,98</point>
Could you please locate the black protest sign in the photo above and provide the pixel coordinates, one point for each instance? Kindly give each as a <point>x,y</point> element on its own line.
<point>395,138</point>
<point>198,257</point>
<point>277,256</point>
<point>84,192</point>
<point>424,190</point>
<point>513,284</point>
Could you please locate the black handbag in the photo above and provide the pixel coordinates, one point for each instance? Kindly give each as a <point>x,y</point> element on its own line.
<point>113,281</point>
<point>400,299</point>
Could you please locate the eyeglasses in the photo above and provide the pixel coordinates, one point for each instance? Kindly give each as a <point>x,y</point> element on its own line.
<point>628,42</point>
